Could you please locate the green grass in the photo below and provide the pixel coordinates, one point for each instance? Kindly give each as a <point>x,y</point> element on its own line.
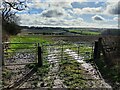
<point>72,74</point>
<point>32,40</point>
<point>85,32</point>
<point>29,39</point>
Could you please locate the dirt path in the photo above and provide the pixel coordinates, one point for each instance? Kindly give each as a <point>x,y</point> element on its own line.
<point>54,60</point>
<point>100,83</point>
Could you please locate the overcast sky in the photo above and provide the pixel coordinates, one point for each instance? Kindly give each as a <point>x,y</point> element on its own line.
<point>71,13</point>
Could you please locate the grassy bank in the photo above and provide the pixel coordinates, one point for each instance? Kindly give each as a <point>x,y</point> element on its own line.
<point>110,73</point>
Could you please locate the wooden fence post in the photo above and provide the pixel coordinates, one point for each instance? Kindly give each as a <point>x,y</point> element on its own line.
<point>96,51</point>
<point>106,58</point>
<point>78,51</point>
<point>62,52</point>
<point>40,63</point>
<point>92,56</point>
<point>3,54</point>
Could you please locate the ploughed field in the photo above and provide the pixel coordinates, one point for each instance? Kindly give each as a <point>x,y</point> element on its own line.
<point>79,38</point>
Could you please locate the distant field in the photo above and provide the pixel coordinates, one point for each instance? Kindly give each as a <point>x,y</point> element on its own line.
<point>85,32</point>
<point>49,40</point>
<point>29,38</point>
<point>75,38</point>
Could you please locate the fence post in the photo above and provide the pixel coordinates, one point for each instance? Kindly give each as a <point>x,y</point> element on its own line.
<point>40,63</point>
<point>96,51</point>
<point>62,52</point>
<point>78,51</point>
<point>3,54</point>
<point>92,56</point>
<point>106,58</point>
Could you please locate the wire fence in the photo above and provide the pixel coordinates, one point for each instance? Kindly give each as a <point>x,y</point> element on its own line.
<point>16,57</point>
<point>19,53</point>
<point>58,51</point>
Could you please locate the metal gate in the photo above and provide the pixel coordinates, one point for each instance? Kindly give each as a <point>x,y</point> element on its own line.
<point>16,57</point>
<point>19,53</point>
<point>60,51</point>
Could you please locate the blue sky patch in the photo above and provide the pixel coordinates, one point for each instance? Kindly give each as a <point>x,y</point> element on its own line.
<point>35,11</point>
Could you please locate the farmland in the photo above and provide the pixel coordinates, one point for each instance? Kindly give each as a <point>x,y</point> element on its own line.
<point>62,31</point>
<point>85,32</point>
<point>62,57</point>
<point>68,45</point>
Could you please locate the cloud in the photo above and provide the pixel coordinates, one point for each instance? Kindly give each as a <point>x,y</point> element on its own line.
<point>96,0</point>
<point>69,1</point>
<point>98,18</point>
<point>55,12</point>
<point>111,1</point>
<point>115,18</point>
<point>88,10</point>
<point>52,13</point>
<point>48,5</point>
<point>113,8</point>
<point>92,10</point>
<point>51,3</point>
<point>61,13</point>
<point>38,20</point>
<point>63,4</point>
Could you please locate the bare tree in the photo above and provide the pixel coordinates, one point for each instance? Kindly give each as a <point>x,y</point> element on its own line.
<point>9,19</point>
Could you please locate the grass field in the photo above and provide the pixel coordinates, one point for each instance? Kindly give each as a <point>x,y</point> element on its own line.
<point>85,32</point>
<point>29,39</point>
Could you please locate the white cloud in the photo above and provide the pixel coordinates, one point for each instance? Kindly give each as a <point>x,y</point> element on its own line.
<point>37,19</point>
<point>115,18</point>
<point>113,8</point>
<point>77,11</point>
<point>113,1</point>
<point>66,1</point>
<point>102,0</point>
<point>98,18</point>
<point>92,10</point>
<point>52,3</point>
<point>47,5</point>
<point>10,0</point>
<point>88,10</point>
<point>55,12</point>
